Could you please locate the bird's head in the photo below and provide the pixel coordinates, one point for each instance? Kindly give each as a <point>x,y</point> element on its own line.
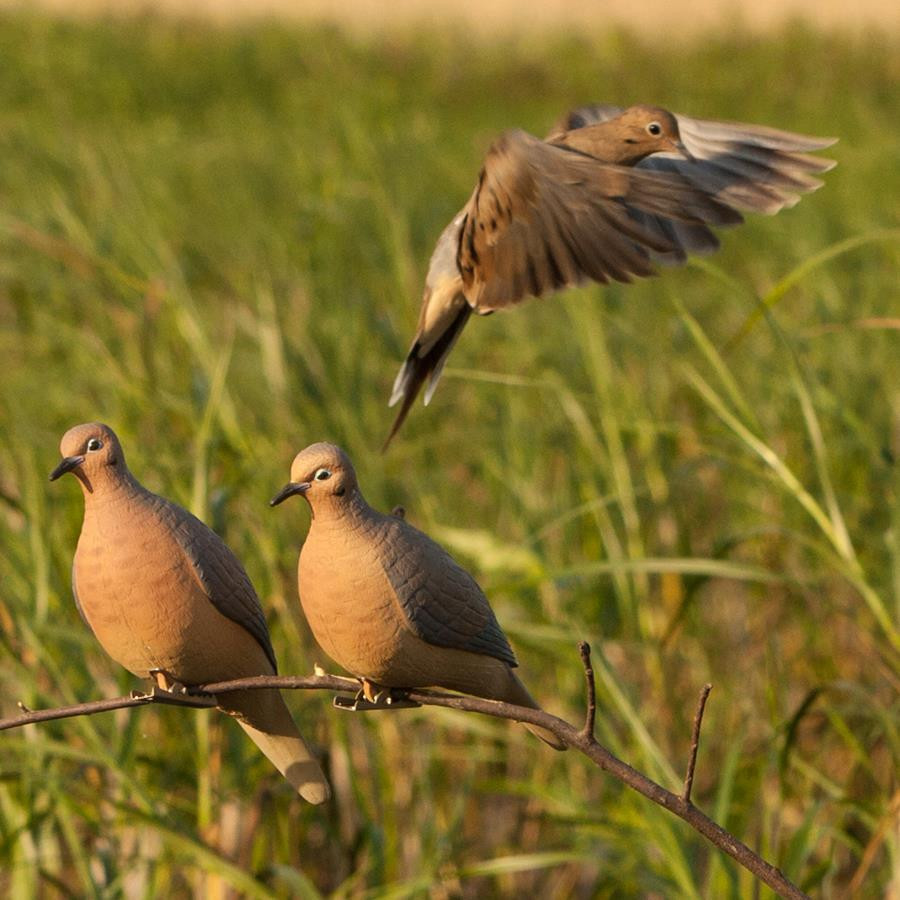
<point>324,475</point>
<point>651,129</point>
<point>92,453</point>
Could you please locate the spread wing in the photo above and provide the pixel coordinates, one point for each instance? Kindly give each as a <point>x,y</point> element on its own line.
<point>543,217</point>
<point>223,577</point>
<point>440,602</point>
<point>750,168</point>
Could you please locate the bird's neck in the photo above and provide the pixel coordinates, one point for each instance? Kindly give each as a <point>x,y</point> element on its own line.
<point>107,487</point>
<point>600,142</point>
<point>350,508</point>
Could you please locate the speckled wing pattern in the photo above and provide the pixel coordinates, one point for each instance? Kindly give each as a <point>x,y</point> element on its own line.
<point>220,573</point>
<point>750,168</point>
<point>543,217</point>
<point>440,602</point>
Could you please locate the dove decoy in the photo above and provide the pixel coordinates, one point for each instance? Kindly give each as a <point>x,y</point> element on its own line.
<point>386,602</point>
<point>165,597</point>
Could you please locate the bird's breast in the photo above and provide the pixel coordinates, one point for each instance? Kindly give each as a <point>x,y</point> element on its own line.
<point>141,597</point>
<point>348,600</point>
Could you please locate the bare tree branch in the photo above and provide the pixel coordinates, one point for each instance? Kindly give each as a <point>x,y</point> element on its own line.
<point>29,717</point>
<point>695,743</point>
<point>196,697</point>
<point>584,649</point>
<point>581,740</point>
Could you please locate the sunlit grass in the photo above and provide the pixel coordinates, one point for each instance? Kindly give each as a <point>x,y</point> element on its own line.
<point>214,240</point>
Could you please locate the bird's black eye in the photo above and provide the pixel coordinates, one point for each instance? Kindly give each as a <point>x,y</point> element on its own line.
<point>654,128</point>
<point>322,475</point>
<point>94,444</point>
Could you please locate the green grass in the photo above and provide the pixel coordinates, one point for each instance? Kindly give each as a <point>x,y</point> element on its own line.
<point>215,241</point>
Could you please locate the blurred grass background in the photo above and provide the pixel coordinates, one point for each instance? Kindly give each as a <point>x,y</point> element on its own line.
<point>214,239</point>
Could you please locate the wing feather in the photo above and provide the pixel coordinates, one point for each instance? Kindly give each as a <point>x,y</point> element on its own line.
<point>751,167</point>
<point>219,572</point>
<point>544,217</point>
<point>440,602</point>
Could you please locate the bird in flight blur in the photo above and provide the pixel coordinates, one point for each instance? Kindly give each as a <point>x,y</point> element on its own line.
<point>608,193</point>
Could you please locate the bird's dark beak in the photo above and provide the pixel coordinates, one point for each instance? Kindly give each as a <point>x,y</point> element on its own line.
<point>66,465</point>
<point>291,488</point>
<point>679,148</point>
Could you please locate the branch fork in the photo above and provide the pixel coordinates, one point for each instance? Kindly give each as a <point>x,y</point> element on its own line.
<point>582,740</point>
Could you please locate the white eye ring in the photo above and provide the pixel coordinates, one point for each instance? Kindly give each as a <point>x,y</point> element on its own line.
<point>654,128</point>
<point>322,475</point>
<point>94,444</point>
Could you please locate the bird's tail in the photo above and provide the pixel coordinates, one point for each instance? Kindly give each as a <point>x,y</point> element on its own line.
<point>517,693</point>
<point>420,367</point>
<point>268,722</point>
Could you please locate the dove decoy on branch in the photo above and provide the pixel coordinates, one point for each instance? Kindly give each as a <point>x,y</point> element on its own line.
<point>166,597</point>
<point>386,602</point>
<point>605,195</point>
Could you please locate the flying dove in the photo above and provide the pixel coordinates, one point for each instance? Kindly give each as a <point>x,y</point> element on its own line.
<point>165,597</point>
<point>389,604</point>
<point>604,196</point>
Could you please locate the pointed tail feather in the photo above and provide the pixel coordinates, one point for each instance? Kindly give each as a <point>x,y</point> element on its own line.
<point>265,718</point>
<point>417,369</point>
<point>517,693</point>
<point>413,373</point>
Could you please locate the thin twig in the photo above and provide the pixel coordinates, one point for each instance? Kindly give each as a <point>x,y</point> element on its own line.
<point>695,743</point>
<point>584,649</point>
<point>578,739</point>
<point>67,712</point>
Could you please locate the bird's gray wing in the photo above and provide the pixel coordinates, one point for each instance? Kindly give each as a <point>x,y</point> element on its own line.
<point>220,573</point>
<point>753,168</point>
<point>748,167</point>
<point>440,602</point>
<point>543,217</point>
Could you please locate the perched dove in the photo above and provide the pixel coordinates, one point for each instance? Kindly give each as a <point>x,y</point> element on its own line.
<point>604,196</point>
<point>166,597</point>
<point>386,602</point>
